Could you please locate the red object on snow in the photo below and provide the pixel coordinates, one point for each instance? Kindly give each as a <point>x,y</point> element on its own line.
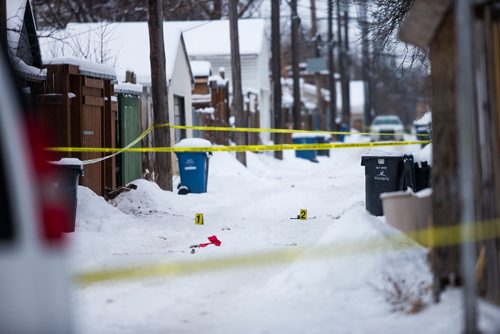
<point>213,241</point>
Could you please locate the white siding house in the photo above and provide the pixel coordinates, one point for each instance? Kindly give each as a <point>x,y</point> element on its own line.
<point>126,47</point>
<point>210,41</point>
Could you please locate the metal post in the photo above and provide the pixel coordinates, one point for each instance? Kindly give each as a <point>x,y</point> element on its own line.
<point>466,139</point>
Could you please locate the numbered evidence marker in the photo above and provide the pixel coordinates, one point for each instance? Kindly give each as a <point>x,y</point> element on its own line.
<point>199,219</point>
<point>303,214</point>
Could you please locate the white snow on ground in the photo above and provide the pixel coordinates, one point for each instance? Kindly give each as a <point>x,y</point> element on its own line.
<point>332,287</point>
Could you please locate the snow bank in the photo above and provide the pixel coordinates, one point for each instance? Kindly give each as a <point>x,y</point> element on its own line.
<point>147,199</point>
<point>94,214</point>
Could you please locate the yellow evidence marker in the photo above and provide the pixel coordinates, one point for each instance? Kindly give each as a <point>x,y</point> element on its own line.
<point>303,214</point>
<point>199,219</point>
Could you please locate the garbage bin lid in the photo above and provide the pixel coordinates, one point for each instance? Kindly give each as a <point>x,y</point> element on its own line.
<point>193,142</point>
<point>70,162</point>
<point>304,135</point>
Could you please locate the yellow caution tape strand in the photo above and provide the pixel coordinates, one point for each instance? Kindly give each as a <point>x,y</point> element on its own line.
<point>432,236</point>
<point>252,148</point>
<point>268,130</point>
<point>124,149</point>
<point>240,148</point>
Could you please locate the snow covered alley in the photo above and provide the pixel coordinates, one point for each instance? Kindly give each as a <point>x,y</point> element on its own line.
<point>250,211</point>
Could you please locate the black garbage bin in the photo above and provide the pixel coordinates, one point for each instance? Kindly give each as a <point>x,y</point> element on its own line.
<point>386,174</point>
<point>68,175</point>
<point>422,176</point>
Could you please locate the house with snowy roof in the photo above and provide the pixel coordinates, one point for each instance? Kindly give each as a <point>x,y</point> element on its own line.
<point>23,44</point>
<point>125,45</point>
<point>210,41</point>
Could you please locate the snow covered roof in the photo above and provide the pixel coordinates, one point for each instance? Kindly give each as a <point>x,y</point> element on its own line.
<point>126,44</point>
<point>204,38</point>
<point>86,67</point>
<point>201,68</point>
<point>28,71</point>
<point>22,38</point>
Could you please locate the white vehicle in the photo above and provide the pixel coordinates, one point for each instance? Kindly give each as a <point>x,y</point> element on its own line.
<point>34,285</point>
<point>387,127</point>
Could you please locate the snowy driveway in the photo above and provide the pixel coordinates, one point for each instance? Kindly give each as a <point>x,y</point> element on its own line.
<point>249,210</point>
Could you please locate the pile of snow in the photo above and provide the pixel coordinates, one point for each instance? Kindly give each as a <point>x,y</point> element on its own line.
<point>424,120</point>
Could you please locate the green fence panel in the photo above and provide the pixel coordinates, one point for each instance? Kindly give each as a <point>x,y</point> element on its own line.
<point>129,125</point>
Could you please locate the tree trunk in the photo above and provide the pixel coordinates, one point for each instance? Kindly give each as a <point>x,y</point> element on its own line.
<point>163,161</point>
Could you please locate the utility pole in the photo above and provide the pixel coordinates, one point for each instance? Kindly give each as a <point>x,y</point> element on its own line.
<point>163,160</point>
<point>365,51</point>
<point>332,113</point>
<point>314,19</point>
<point>467,135</point>
<point>340,59</point>
<point>295,65</point>
<point>319,95</point>
<point>276,74</point>
<point>346,103</point>
<point>317,45</point>
<point>236,78</point>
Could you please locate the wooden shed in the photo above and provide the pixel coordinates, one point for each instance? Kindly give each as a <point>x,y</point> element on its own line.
<point>77,109</point>
<point>210,101</point>
<point>431,24</point>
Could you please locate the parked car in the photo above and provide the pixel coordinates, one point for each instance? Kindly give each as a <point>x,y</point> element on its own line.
<point>34,282</point>
<point>386,127</point>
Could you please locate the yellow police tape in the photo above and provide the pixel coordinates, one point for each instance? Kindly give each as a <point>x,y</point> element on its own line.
<point>240,148</point>
<point>268,130</point>
<point>432,237</point>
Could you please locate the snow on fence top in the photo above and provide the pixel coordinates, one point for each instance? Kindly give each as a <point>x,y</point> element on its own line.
<point>128,88</point>
<point>201,68</point>
<point>86,67</point>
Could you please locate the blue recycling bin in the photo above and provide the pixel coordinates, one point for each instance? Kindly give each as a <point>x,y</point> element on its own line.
<point>342,128</point>
<point>423,131</point>
<point>324,139</point>
<point>305,138</point>
<point>193,167</point>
